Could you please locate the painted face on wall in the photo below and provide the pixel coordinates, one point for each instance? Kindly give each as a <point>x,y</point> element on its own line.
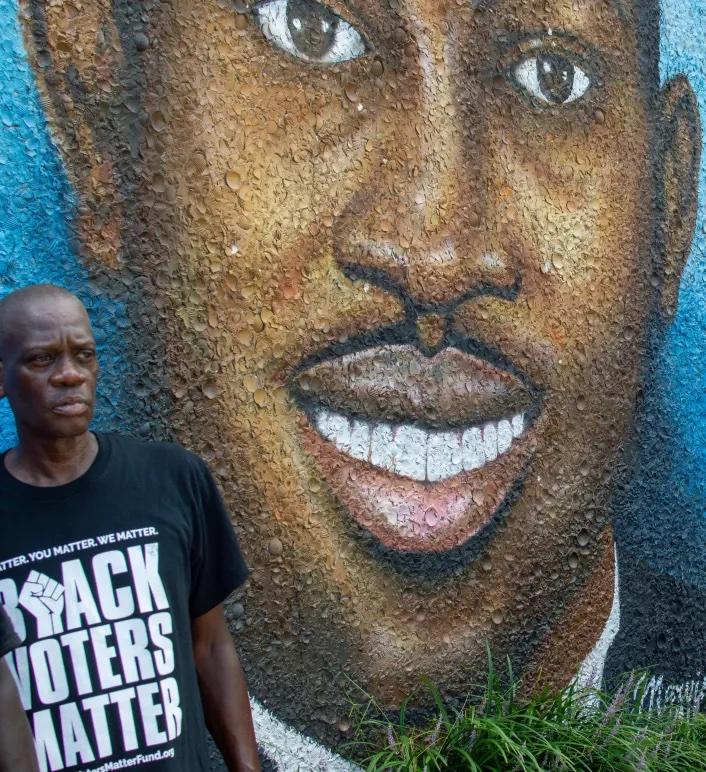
<point>402,257</point>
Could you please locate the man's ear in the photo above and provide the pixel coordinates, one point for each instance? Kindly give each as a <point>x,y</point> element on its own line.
<point>77,57</point>
<point>680,140</point>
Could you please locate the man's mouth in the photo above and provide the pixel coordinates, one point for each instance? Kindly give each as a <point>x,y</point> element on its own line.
<point>421,450</point>
<point>71,406</point>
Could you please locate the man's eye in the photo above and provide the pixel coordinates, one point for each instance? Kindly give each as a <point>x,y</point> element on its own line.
<point>551,79</point>
<point>308,30</point>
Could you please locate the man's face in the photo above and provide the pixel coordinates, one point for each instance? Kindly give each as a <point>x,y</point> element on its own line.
<point>400,258</point>
<point>49,368</point>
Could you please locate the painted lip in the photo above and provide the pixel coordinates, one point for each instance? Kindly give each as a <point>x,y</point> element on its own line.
<point>71,406</point>
<point>421,450</point>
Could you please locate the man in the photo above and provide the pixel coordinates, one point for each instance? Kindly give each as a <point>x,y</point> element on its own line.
<point>402,262</point>
<point>116,557</point>
<point>16,748</point>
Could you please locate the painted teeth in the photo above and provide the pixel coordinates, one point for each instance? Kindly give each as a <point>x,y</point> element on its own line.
<point>415,453</point>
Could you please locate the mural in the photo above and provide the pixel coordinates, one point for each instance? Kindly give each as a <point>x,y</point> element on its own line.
<point>405,273</point>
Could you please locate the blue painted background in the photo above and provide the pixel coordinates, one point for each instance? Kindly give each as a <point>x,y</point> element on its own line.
<point>683,49</point>
<point>35,205</point>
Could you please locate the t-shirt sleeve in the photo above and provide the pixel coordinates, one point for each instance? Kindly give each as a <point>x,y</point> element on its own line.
<point>8,637</point>
<point>217,564</point>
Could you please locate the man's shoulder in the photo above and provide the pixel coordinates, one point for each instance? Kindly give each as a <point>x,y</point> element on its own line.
<point>168,457</point>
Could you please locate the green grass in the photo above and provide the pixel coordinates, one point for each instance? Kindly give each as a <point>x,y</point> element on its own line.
<point>571,730</point>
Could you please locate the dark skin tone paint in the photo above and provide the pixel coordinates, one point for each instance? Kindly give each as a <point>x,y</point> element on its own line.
<point>49,372</point>
<point>445,170</point>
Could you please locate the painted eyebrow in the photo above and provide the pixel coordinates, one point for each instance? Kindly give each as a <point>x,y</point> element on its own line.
<point>619,5</point>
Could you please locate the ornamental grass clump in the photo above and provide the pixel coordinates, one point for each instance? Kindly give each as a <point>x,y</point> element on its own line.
<point>572,729</point>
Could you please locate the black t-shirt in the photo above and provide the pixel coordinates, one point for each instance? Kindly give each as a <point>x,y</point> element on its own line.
<point>101,579</point>
<point>8,636</point>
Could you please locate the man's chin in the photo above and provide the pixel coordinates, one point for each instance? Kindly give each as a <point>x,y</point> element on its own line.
<point>70,427</point>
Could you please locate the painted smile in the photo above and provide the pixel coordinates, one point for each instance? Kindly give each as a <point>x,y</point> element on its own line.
<point>420,450</point>
<point>418,453</point>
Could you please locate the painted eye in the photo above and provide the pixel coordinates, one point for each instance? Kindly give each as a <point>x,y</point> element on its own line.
<point>310,31</point>
<point>551,79</point>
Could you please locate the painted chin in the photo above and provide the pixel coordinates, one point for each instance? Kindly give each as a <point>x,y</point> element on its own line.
<point>452,483</point>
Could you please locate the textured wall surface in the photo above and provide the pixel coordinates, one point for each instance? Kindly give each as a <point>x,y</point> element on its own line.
<point>424,282</point>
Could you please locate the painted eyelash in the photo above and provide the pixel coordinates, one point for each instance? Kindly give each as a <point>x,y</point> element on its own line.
<point>269,15</point>
<point>534,44</point>
<point>333,6</point>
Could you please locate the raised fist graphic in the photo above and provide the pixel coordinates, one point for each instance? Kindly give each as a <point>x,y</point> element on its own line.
<point>44,599</point>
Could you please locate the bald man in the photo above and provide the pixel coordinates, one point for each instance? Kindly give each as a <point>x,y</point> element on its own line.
<point>115,557</point>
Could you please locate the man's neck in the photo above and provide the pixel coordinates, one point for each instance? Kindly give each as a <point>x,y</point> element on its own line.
<point>48,462</point>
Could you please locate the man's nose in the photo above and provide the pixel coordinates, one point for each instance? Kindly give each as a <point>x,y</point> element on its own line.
<point>68,372</point>
<point>419,224</point>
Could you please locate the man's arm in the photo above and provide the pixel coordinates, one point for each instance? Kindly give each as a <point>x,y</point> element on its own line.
<point>224,692</point>
<point>16,746</point>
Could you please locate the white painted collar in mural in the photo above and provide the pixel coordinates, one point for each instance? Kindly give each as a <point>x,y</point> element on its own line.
<point>590,673</point>
<point>293,752</point>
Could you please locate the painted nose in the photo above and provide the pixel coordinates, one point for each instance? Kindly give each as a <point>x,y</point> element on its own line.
<point>420,226</point>
<point>435,278</point>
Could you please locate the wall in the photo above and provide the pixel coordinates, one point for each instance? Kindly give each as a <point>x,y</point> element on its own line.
<point>412,242</point>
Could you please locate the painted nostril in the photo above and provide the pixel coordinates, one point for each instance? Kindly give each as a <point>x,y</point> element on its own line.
<point>434,274</point>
